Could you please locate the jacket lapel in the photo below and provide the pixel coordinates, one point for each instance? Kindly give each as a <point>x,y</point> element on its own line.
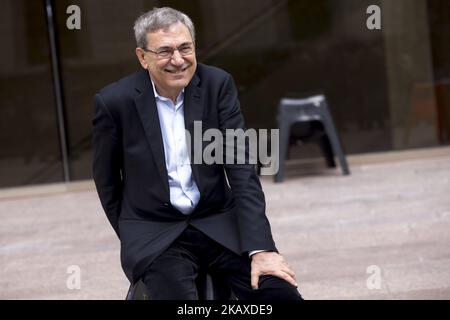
<point>146,107</point>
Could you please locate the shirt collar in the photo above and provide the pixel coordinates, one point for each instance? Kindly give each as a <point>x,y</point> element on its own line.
<point>157,96</point>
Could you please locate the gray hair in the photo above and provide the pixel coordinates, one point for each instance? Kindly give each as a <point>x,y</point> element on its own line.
<point>157,19</point>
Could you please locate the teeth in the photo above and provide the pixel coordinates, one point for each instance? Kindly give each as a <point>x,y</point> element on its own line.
<point>175,71</point>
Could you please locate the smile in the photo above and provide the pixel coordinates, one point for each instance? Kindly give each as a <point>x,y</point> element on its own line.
<point>176,71</point>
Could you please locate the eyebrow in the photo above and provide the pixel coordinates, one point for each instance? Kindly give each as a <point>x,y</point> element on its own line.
<point>169,47</point>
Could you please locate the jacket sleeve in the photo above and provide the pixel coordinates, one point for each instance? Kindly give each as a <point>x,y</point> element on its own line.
<point>254,227</point>
<point>107,161</point>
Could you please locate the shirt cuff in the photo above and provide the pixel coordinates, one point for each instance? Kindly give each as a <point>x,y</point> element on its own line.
<point>255,251</point>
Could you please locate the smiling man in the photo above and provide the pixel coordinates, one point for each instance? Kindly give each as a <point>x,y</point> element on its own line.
<point>174,217</point>
<point>172,65</point>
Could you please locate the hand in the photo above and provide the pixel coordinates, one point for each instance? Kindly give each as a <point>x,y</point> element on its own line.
<point>270,263</point>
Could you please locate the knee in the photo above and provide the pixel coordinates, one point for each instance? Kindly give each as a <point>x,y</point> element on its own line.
<point>281,293</point>
<point>274,288</point>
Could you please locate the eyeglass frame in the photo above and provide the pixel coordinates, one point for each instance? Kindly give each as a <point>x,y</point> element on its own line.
<point>172,50</point>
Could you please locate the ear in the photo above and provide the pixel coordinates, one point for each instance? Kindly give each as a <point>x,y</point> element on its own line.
<point>140,54</point>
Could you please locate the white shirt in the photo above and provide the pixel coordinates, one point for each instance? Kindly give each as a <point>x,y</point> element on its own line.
<point>184,193</point>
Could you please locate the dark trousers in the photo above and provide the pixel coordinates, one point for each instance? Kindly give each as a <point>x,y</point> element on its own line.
<point>172,275</point>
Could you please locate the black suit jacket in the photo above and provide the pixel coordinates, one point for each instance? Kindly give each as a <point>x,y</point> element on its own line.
<point>131,178</point>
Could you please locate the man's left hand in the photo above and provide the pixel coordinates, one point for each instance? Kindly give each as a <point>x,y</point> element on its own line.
<point>270,263</point>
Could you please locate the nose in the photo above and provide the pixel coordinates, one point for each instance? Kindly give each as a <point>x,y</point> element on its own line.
<point>177,59</point>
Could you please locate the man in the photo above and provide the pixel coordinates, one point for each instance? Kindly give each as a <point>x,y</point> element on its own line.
<point>172,215</point>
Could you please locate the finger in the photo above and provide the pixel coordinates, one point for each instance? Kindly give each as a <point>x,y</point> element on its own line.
<point>289,271</point>
<point>254,280</point>
<point>291,279</point>
<point>287,277</point>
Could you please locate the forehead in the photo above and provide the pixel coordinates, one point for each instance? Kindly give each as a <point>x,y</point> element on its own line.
<point>174,35</point>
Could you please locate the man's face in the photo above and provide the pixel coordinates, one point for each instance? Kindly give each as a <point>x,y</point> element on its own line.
<point>173,73</point>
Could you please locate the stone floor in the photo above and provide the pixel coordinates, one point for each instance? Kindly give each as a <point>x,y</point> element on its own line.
<point>381,233</point>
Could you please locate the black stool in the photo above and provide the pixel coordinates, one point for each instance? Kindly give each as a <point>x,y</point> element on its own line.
<point>308,119</point>
<point>209,287</point>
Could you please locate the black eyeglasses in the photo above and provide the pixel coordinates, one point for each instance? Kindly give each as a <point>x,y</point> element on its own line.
<point>167,52</point>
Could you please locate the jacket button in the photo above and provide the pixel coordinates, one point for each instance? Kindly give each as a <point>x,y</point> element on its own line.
<point>165,204</point>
